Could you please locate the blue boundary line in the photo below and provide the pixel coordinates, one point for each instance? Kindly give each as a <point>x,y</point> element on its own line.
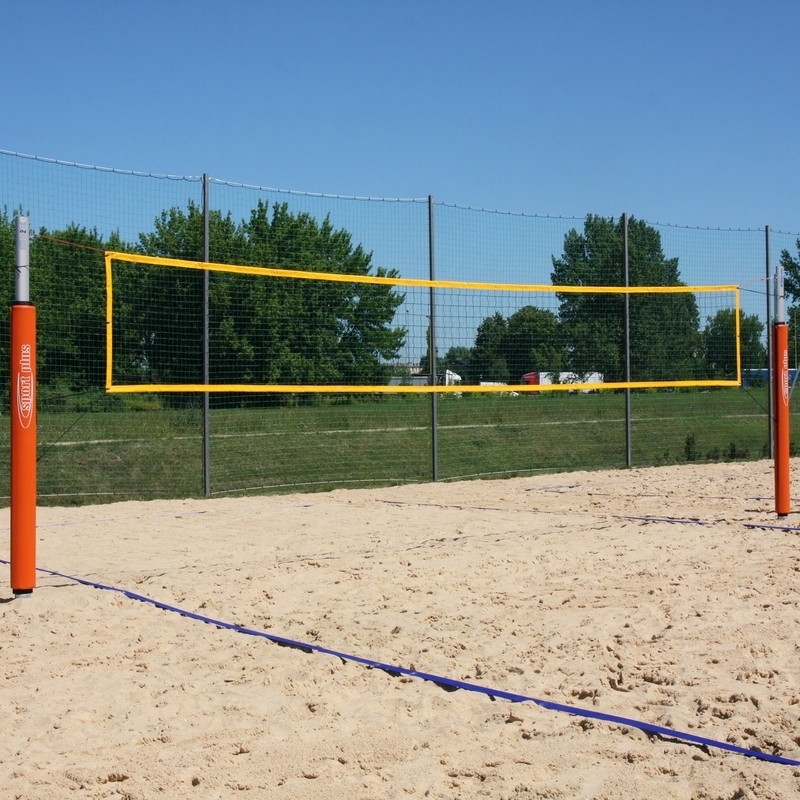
<point>449,684</point>
<point>766,527</point>
<point>670,520</point>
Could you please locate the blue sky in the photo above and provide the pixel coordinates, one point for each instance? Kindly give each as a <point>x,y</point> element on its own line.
<point>683,112</point>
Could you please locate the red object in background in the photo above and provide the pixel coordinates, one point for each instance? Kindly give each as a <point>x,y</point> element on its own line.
<point>532,379</point>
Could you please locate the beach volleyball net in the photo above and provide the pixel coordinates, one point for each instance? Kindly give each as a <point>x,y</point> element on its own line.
<point>176,325</point>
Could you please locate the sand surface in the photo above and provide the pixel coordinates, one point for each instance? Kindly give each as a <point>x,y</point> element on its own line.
<point>651,595</point>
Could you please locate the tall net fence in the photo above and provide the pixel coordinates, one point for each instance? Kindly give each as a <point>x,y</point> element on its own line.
<point>525,377</point>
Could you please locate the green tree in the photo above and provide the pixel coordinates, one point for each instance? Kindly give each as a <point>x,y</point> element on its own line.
<point>532,341</point>
<point>794,336</point>
<point>161,311</point>
<point>458,359</point>
<point>593,324</point>
<point>67,285</point>
<point>425,361</point>
<point>488,362</point>
<point>263,330</point>
<point>68,288</point>
<point>791,269</point>
<point>719,343</point>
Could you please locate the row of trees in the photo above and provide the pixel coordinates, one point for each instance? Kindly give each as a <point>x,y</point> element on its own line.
<point>531,339</point>
<point>273,331</point>
<point>261,331</point>
<point>667,341</point>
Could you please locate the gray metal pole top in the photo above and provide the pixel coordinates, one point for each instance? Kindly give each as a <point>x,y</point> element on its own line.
<point>22,260</point>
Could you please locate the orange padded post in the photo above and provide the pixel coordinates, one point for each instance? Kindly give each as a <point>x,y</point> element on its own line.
<point>23,448</point>
<point>23,422</point>
<point>780,400</point>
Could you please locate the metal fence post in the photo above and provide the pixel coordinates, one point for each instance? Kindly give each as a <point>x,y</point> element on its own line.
<point>626,274</point>
<point>432,350</point>
<point>206,404</point>
<point>770,398</point>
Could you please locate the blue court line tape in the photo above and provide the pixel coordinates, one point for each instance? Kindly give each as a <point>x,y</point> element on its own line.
<point>448,684</point>
<point>459,506</point>
<point>671,520</point>
<point>697,521</point>
<point>766,527</point>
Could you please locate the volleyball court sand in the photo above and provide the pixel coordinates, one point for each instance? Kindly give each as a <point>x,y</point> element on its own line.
<point>573,588</point>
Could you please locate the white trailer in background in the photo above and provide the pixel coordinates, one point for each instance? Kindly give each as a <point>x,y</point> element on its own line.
<point>550,378</point>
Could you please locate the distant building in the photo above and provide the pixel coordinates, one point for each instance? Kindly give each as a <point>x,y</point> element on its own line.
<point>446,378</point>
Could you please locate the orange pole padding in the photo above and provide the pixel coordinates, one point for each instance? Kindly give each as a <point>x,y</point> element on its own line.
<point>780,397</point>
<point>23,448</point>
